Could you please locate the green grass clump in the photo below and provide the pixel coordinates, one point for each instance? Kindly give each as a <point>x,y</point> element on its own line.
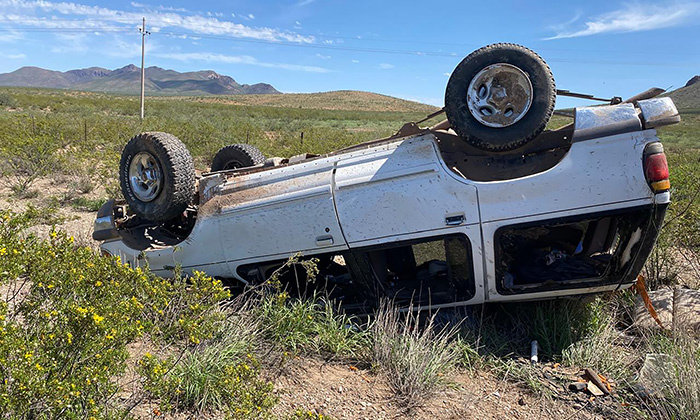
<point>415,356</point>
<point>214,378</point>
<point>87,204</point>
<point>602,350</point>
<point>311,325</point>
<point>219,374</point>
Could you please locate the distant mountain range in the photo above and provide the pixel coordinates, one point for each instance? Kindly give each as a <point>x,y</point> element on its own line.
<point>128,80</point>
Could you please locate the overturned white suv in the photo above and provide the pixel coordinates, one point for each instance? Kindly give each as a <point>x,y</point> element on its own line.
<point>485,206</point>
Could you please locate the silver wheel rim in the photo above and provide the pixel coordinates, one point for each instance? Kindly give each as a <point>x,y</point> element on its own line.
<point>145,176</point>
<point>499,95</point>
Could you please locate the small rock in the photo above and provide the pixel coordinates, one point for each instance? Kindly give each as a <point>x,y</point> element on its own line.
<point>521,401</point>
<point>340,389</point>
<point>497,394</point>
<point>577,406</point>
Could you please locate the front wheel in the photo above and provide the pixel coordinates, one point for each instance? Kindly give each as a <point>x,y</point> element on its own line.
<point>157,177</point>
<point>500,97</point>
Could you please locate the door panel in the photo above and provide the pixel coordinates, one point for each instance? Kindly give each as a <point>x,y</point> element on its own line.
<point>398,189</point>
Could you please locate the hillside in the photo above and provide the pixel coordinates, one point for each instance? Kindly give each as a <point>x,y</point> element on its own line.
<point>687,96</point>
<point>345,100</point>
<point>127,80</point>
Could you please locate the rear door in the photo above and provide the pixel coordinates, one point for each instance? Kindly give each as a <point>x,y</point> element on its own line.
<point>400,189</point>
<point>402,193</point>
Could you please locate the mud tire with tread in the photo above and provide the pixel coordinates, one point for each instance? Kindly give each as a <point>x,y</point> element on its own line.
<point>531,124</point>
<point>176,171</point>
<point>236,156</point>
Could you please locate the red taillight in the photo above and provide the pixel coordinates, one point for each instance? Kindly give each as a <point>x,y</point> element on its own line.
<point>656,167</point>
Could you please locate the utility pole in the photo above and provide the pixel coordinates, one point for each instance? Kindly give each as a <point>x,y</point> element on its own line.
<point>143,69</point>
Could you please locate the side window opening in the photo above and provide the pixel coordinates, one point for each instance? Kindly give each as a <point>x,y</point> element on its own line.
<point>558,254</point>
<point>336,279</point>
<point>433,271</point>
<point>428,271</point>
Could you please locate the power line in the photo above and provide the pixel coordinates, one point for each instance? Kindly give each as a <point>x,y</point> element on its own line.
<point>80,27</point>
<point>329,47</point>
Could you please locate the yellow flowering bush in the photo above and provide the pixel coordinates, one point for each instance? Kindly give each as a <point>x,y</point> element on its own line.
<point>68,315</point>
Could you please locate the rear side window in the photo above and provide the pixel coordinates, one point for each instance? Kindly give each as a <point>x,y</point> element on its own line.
<point>580,251</point>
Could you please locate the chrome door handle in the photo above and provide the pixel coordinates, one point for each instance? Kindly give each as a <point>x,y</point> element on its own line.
<point>324,240</point>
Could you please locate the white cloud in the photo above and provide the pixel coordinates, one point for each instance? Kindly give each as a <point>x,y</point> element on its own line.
<point>323,57</point>
<point>14,56</point>
<point>163,8</point>
<point>239,59</point>
<point>121,48</point>
<point>111,19</point>
<point>251,16</point>
<point>634,18</point>
<point>12,36</point>
<point>386,66</point>
<point>446,74</point>
<point>355,61</point>
<point>172,9</point>
<point>305,2</point>
<point>70,43</point>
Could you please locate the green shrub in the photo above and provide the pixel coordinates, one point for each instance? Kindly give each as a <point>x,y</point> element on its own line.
<point>69,315</point>
<point>6,99</point>
<point>29,156</point>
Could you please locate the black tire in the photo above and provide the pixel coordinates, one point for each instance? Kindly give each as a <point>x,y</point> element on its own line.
<point>236,156</point>
<point>172,165</point>
<point>534,118</point>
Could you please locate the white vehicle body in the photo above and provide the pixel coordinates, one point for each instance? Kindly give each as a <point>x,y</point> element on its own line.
<point>402,191</point>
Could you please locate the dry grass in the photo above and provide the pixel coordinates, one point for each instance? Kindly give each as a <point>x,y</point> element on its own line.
<point>675,392</point>
<point>413,355</point>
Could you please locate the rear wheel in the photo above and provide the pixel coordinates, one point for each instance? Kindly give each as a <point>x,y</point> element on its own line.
<point>500,97</point>
<point>156,173</point>
<point>236,156</point>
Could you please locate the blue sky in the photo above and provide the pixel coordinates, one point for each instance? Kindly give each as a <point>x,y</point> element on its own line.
<point>399,48</point>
